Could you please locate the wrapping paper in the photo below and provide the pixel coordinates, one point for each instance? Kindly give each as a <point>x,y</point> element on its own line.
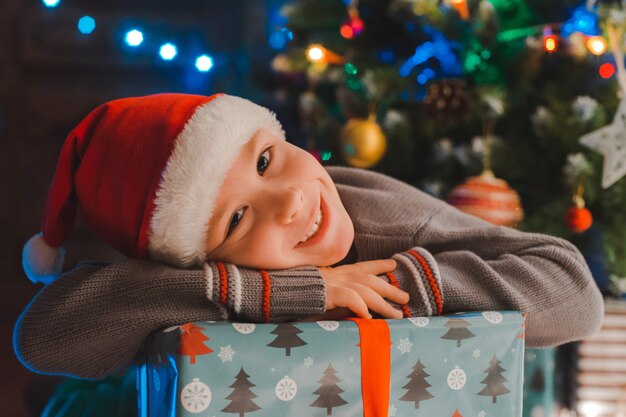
<point>462,365</point>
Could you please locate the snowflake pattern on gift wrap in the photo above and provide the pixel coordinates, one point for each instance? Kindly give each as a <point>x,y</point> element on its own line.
<point>351,359</point>
<point>405,345</point>
<point>392,410</point>
<point>226,354</point>
<point>195,396</point>
<point>476,353</point>
<point>482,414</point>
<point>286,389</point>
<point>457,378</point>
<point>308,362</point>
<point>244,328</point>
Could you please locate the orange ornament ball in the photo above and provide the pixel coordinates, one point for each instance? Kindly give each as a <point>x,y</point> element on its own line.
<point>488,198</point>
<point>578,219</point>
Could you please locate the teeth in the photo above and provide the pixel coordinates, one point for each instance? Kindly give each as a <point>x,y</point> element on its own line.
<point>314,229</point>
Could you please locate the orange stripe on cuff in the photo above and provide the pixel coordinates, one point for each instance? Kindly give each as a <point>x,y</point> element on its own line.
<point>431,279</point>
<point>375,366</point>
<point>223,283</point>
<point>266,296</point>
<point>394,282</point>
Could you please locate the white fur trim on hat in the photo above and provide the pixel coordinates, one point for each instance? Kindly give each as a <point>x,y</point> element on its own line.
<point>202,155</point>
<point>42,263</point>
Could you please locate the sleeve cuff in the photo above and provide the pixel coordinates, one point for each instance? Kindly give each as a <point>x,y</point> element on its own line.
<point>418,274</point>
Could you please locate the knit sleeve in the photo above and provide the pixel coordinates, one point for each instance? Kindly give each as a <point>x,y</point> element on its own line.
<point>92,321</point>
<point>487,267</point>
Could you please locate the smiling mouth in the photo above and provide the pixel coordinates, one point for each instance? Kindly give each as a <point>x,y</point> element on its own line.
<point>320,227</point>
<point>316,226</point>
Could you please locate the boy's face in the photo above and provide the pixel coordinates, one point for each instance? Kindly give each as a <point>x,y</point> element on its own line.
<point>270,202</point>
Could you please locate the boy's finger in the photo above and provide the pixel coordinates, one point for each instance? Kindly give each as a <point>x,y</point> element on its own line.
<point>351,299</point>
<point>376,303</point>
<point>385,289</point>
<point>377,266</point>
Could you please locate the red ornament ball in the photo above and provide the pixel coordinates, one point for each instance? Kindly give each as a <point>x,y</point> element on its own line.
<point>578,219</point>
<point>488,198</point>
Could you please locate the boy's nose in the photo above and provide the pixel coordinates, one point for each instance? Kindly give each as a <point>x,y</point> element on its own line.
<point>288,202</point>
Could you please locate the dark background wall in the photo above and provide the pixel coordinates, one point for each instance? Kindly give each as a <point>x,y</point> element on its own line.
<point>51,76</point>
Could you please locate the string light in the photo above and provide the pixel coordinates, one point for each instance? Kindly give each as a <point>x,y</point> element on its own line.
<point>86,25</point>
<point>316,53</point>
<point>51,3</point>
<point>606,70</point>
<point>134,37</point>
<point>168,51</point>
<point>204,63</point>
<point>596,45</point>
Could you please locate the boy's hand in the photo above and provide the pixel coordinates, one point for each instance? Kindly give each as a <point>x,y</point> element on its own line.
<point>357,288</point>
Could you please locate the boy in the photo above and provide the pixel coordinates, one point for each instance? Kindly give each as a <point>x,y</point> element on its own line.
<point>264,233</point>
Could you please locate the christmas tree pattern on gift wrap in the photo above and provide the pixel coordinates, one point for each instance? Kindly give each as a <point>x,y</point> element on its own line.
<point>494,380</point>
<point>192,342</point>
<point>329,392</point>
<point>458,330</point>
<point>417,386</point>
<point>241,397</point>
<point>287,337</point>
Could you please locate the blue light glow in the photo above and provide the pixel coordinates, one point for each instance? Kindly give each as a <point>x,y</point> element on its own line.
<point>134,37</point>
<point>204,63</point>
<point>584,21</point>
<point>86,25</point>
<point>51,3</point>
<point>278,40</point>
<point>168,51</point>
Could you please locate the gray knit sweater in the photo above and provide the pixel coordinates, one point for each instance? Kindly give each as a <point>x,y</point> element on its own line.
<point>92,321</point>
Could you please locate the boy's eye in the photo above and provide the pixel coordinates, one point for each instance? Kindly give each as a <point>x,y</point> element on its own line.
<point>263,162</point>
<point>235,220</point>
<point>261,165</point>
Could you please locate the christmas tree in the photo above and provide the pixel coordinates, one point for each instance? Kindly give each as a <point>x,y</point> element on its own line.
<point>241,397</point>
<point>192,342</point>
<point>328,392</point>
<point>494,381</point>
<point>435,92</point>
<point>458,330</point>
<point>287,337</point>
<point>417,386</point>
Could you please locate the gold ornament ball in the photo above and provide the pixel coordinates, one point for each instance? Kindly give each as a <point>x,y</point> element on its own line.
<point>363,143</point>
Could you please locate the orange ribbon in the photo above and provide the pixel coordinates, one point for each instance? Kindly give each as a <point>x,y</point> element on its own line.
<point>375,366</point>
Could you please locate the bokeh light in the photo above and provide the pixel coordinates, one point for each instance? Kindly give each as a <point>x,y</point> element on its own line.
<point>134,37</point>
<point>86,25</point>
<point>204,63</point>
<point>606,70</point>
<point>168,51</point>
<point>596,45</point>
<point>51,3</point>
<point>315,53</point>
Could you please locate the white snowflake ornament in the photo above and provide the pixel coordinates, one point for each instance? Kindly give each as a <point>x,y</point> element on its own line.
<point>226,354</point>
<point>286,389</point>
<point>419,321</point>
<point>492,316</point>
<point>329,326</point>
<point>195,396</point>
<point>610,141</point>
<point>244,328</point>
<point>457,378</point>
<point>405,345</point>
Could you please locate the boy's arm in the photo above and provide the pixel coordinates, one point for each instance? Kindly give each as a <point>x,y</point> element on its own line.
<point>476,266</point>
<point>91,322</point>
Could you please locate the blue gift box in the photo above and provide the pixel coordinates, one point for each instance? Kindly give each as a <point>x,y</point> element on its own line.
<point>462,365</point>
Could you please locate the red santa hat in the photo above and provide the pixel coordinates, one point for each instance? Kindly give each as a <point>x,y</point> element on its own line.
<point>145,173</point>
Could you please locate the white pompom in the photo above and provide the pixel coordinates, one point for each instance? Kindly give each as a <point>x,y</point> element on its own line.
<point>42,263</point>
